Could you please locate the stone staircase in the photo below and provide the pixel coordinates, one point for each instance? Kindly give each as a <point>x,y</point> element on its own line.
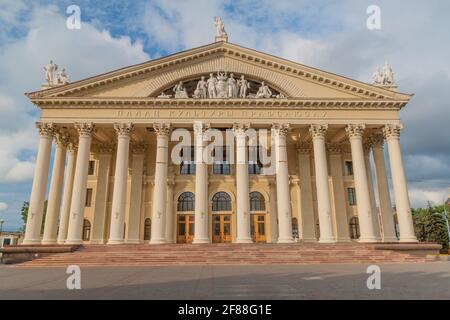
<point>221,254</point>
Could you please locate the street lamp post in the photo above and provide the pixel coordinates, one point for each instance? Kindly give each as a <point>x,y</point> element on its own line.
<point>1,226</point>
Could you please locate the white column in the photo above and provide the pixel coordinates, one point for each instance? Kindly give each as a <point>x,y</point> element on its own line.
<point>56,184</point>
<point>242,185</point>
<point>392,134</point>
<point>306,195</point>
<point>159,209</point>
<point>75,232</point>
<point>37,198</point>
<point>355,133</point>
<point>67,196</point>
<point>339,206</point>
<point>318,133</point>
<point>170,234</point>
<point>201,184</point>
<point>116,231</point>
<point>137,174</point>
<point>384,198</point>
<point>283,186</point>
<point>104,156</point>
<point>273,215</point>
<point>375,211</point>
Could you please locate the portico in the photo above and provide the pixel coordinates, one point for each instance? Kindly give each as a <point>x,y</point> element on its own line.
<point>283,154</point>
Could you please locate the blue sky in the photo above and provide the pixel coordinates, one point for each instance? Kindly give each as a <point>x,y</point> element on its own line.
<point>327,34</point>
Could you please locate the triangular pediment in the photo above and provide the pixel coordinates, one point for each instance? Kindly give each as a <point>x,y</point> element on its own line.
<point>149,79</point>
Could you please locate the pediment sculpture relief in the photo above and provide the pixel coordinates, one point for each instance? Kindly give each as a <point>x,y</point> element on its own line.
<point>221,86</point>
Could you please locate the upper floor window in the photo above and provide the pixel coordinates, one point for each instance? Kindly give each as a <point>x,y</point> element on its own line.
<point>221,163</point>
<point>351,196</point>
<point>91,167</point>
<point>348,168</point>
<point>86,230</point>
<point>187,166</point>
<point>354,228</point>
<point>88,202</point>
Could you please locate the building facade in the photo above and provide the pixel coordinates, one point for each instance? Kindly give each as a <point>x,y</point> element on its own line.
<point>218,144</point>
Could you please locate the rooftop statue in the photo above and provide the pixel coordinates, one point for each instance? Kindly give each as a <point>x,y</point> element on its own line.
<point>62,77</point>
<point>384,77</point>
<point>50,71</point>
<point>180,91</point>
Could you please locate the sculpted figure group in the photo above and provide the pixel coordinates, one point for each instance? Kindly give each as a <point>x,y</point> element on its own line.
<point>223,86</point>
<point>53,77</point>
<point>384,77</point>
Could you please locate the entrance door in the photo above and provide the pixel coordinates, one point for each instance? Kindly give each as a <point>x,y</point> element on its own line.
<point>185,230</point>
<point>221,225</point>
<point>258,227</point>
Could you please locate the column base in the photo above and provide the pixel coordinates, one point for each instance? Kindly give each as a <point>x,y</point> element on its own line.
<point>61,242</point>
<point>327,240</point>
<point>170,241</point>
<point>115,241</point>
<point>308,240</point>
<point>286,240</point>
<point>244,240</point>
<point>408,240</point>
<point>344,240</point>
<point>74,242</point>
<point>31,242</point>
<point>48,242</point>
<point>201,241</point>
<point>133,241</point>
<point>158,241</point>
<point>368,240</point>
<point>97,241</point>
<point>390,239</point>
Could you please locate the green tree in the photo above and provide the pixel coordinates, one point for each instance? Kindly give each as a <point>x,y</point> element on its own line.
<point>24,214</point>
<point>430,225</point>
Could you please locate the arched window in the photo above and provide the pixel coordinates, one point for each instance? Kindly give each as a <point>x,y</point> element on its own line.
<point>221,201</point>
<point>186,202</point>
<point>257,202</point>
<point>354,228</point>
<point>147,228</point>
<point>86,230</point>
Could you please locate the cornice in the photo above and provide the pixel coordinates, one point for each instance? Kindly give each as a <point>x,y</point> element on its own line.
<point>117,103</point>
<point>231,50</point>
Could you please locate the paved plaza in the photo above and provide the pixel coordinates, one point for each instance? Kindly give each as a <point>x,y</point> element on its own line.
<point>327,281</point>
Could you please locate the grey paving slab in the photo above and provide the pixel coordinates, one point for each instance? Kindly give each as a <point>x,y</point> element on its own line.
<point>398,281</point>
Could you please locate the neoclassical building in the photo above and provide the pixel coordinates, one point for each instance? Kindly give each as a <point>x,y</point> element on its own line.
<point>115,178</point>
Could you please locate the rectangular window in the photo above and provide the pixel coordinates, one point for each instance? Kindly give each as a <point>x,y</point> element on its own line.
<point>348,168</point>
<point>351,195</point>
<point>91,169</point>
<point>88,197</point>
<point>221,164</point>
<point>187,166</point>
<point>254,163</point>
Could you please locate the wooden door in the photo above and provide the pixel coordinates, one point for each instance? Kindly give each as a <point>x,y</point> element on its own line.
<point>221,228</point>
<point>258,227</point>
<point>185,228</point>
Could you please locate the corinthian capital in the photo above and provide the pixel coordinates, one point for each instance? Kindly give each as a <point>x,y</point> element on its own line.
<point>124,129</point>
<point>334,148</point>
<point>281,129</point>
<point>45,129</point>
<point>318,130</point>
<point>377,140</point>
<point>392,131</point>
<point>355,130</point>
<point>138,148</point>
<point>85,129</point>
<point>201,127</point>
<point>162,129</point>
<point>62,137</point>
<point>240,129</point>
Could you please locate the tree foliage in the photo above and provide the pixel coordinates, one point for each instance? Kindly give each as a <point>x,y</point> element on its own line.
<point>431,226</point>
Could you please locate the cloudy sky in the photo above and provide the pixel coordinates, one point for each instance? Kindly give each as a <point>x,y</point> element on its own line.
<point>327,34</point>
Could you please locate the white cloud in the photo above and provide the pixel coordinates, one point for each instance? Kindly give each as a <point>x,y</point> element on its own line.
<point>3,206</point>
<point>83,53</point>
